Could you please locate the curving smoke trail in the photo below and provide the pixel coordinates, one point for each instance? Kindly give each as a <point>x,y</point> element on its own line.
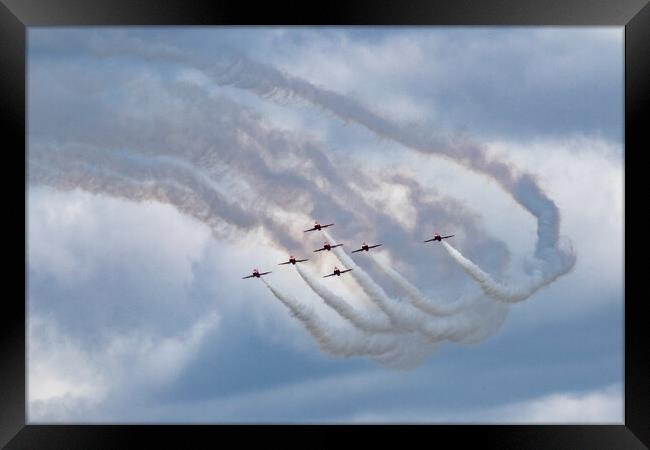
<point>402,333</point>
<point>337,341</point>
<point>399,352</point>
<point>411,349</point>
<point>145,178</point>
<point>376,293</point>
<point>269,82</point>
<point>364,320</point>
<point>262,172</point>
<point>463,327</point>
<point>168,180</point>
<point>435,307</point>
<point>539,276</point>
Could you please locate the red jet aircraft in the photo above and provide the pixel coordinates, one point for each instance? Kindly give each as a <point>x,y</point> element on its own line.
<point>293,260</point>
<point>256,274</point>
<point>318,226</point>
<point>337,272</point>
<point>327,247</point>
<point>365,247</point>
<point>437,237</point>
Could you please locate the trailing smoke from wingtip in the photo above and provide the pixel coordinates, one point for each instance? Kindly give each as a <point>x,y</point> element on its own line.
<point>399,334</point>
<point>390,350</point>
<point>434,307</point>
<point>334,340</point>
<point>540,274</point>
<point>235,69</point>
<point>465,326</point>
<point>554,261</point>
<point>362,319</point>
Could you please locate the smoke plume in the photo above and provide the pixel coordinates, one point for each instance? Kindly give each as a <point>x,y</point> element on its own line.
<point>224,165</point>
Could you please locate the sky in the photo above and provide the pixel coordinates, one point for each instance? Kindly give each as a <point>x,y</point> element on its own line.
<point>164,164</point>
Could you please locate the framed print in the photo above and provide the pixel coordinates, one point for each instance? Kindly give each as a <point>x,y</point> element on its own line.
<point>410,218</point>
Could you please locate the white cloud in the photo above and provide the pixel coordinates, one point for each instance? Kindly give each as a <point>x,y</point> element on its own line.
<point>600,406</point>
<point>70,234</point>
<point>69,382</point>
<point>59,367</point>
<point>94,343</point>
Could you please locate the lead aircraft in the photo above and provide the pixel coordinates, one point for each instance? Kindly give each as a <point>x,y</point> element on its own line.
<point>318,226</point>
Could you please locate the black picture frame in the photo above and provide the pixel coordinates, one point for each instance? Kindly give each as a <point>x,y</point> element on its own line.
<point>17,15</point>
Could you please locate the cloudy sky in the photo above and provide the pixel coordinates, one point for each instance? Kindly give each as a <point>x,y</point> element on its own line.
<point>166,163</point>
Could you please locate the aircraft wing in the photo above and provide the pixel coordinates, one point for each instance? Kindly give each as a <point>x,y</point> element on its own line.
<point>346,270</point>
<point>264,273</point>
<point>250,276</point>
<point>337,245</point>
<point>373,246</point>
<point>319,250</point>
<point>282,264</point>
<point>354,251</point>
<point>330,275</point>
<point>429,240</point>
<point>328,225</point>
<point>311,229</point>
<point>302,260</point>
<point>451,235</point>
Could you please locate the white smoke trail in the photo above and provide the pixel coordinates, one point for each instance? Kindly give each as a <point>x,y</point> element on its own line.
<point>405,335</point>
<point>169,181</point>
<point>399,352</point>
<point>434,307</point>
<point>138,177</point>
<point>372,289</point>
<point>405,317</point>
<point>412,350</point>
<point>267,81</point>
<point>364,320</point>
<point>536,280</point>
<point>487,317</point>
<point>337,341</point>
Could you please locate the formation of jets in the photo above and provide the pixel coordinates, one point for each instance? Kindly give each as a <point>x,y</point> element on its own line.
<point>327,246</point>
